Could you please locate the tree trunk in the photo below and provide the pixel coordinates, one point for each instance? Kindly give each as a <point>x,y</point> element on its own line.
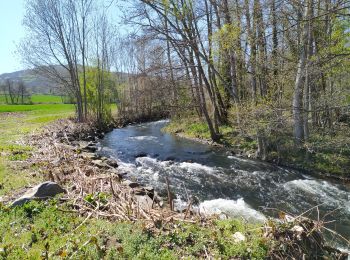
<point>299,81</point>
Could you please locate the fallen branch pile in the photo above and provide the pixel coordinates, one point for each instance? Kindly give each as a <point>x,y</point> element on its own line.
<point>94,185</point>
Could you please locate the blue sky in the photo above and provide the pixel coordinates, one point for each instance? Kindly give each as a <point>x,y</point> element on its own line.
<point>11,32</point>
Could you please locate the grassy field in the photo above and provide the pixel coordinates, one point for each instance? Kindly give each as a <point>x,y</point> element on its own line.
<point>36,99</point>
<point>39,99</point>
<point>17,121</point>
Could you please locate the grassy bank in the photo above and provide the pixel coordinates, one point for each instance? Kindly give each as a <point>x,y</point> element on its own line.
<point>16,121</point>
<point>326,152</point>
<point>51,229</point>
<point>40,230</point>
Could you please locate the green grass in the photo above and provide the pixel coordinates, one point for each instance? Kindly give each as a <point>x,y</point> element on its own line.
<point>24,119</point>
<point>39,99</point>
<point>43,229</point>
<point>46,99</point>
<point>46,108</point>
<point>16,121</point>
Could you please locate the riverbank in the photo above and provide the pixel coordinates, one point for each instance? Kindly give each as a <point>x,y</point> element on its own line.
<point>101,217</point>
<point>327,156</point>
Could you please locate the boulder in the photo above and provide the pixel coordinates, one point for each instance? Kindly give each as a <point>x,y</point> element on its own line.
<point>142,154</point>
<point>88,146</point>
<point>145,191</point>
<point>91,156</point>
<point>149,189</point>
<point>111,162</point>
<point>100,164</point>
<point>114,172</point>
<point>91,148</point>
<point>44,190</point>
<point>131,184</point>
<point>144,202</point>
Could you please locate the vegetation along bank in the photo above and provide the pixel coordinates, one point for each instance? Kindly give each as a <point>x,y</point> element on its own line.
<point>268,79</point>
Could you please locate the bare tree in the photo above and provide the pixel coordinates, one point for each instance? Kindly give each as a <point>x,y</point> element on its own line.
<point>57,43</point>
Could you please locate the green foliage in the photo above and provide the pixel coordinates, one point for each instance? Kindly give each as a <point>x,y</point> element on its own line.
<point>100,88</point>
<point>326,153</point>
<point>95,199</point>
<point>227,36</point>
<point>40,229</point>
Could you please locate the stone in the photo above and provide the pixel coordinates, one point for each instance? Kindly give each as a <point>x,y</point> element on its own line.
<point>298,231</point>
<point>115,173</point>
<point>91,156</point>
<point>91,148</point>
<point>149,189</point>
<point>122,174</point>
<point>238,237</point>
<point>100,164</point>
<point>111,162</point>
<point>144,202</point>
<point>44,190</point>
<point>88,146</point>
<point>140,155</point>
<point>131,184</point>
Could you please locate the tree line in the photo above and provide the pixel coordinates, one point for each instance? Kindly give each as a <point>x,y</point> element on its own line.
<point>71,43</point>
<point>15,92</point>
<point>263,65</point>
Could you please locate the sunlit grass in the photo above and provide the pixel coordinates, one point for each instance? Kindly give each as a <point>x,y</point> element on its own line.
<point>39,99</point>
<point>17,121</point>
<point>43,229</point>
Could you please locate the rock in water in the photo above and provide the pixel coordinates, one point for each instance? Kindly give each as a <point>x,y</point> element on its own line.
<point>44,190</point>
<point>111,162</point>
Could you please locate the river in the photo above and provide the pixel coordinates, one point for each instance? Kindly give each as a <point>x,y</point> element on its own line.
<point>224,184</point>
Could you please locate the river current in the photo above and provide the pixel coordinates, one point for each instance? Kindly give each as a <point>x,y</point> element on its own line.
<point>225,184</point>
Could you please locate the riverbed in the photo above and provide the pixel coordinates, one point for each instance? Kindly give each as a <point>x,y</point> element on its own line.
<point>224,184</point>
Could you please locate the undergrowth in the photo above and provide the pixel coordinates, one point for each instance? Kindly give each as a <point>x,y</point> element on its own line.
<point>327,153</point>
<point>48,230</point>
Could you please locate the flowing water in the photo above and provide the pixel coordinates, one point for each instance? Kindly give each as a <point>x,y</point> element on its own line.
<point>224,184</point>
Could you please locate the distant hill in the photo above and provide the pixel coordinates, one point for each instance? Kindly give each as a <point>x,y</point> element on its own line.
<point>37,84</point>
<point>34,83</point>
